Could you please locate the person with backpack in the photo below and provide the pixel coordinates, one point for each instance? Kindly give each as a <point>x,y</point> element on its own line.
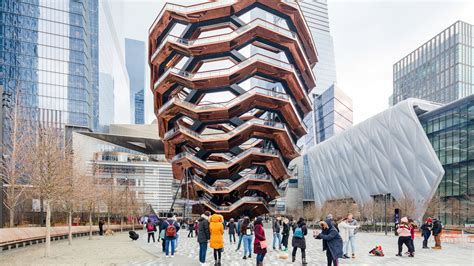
<point>437,229</point>
<point>332,241</point>
<point>276,232</point>
<point>404,237</point>
<point>426,231</point>
<point>216,230</point>
<point>151,229</point>
<point>260,242</point>
<point>203,235</point>
<point>246,230</point>
<point>285,233</point>
<point>170,229</point>
<point>299,241</point>
<point>231,227</point>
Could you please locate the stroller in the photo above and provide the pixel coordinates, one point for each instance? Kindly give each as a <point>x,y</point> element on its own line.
<point>133,235</point>
<point>377,251</point>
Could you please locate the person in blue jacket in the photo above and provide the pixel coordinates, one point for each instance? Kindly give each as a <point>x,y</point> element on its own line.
<point>332,242</point>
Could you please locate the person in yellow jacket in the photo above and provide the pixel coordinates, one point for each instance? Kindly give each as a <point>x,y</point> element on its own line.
<point>216,229</point>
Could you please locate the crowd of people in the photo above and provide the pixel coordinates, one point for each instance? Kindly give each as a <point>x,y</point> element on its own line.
<point>338,236</point>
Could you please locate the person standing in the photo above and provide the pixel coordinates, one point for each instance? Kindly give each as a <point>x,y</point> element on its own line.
<point>286,233</point>
<point>404,237</point>
<point>299,241</point>
<point>171,228</point>
<point>191,228</point>
<point>260,243</point>
<point>216,229</point>
<point>151,229</point>
<point>426,231</point>
<point>239,233</point>
<point>231,227</point>
<point>101,227</point>
<point>352,234</point>
<point>413,226</point>
<point>344,231</point>
<point>332,242</point>
<point>203,235</point>
<point>437,229</point>
<point>247,232</point>
<point>276,232</point>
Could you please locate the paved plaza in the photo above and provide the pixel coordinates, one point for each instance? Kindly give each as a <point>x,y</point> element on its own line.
<point>120,250</point>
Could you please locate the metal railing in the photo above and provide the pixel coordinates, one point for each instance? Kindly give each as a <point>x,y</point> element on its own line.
<point>227,36</point>
<point>236,204</point>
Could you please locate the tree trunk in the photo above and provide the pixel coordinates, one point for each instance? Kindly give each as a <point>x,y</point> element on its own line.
<point>90,224</point>
<point>48,229</point>
<point>12,217</point>
<point>121,224</point>
<point>69,224</point>
<point>133,223</point>
<point>108,222</point>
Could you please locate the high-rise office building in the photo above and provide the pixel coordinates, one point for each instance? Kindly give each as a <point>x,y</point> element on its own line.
<point>114,79</point>
<point>316,15</point>
<point>49,57</point>
<point>441,70</point>
<point>135,62</point>
<point>332,115</point>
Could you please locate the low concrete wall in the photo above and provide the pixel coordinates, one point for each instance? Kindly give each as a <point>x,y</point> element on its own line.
<point>25,236</point>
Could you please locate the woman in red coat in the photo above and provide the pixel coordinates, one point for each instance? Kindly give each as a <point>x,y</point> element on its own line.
<point>260,243</point>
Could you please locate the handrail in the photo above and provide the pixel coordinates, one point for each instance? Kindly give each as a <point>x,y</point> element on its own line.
<point>236,204</point>
<point>236,183</point>
<point>227,36</point>
<point>228,135</point>
<point>207,165</point>
<point>229,70</point>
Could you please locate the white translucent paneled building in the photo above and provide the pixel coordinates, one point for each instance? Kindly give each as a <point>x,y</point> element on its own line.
<point>386,154</point>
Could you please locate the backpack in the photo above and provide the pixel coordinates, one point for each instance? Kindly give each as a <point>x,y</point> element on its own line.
<point>298,232</point>
<point>170,230</point>
<point>150,227</point>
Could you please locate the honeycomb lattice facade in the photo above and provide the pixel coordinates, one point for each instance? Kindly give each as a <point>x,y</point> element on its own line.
<point>230,81</point>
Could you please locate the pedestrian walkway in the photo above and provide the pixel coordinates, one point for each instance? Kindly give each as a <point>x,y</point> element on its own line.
<point>187,253</point>
<point>120,250</point>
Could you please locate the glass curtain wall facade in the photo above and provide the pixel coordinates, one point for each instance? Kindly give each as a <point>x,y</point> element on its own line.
<point>316,15</point>
<point>135,63</point>
<point>441,70</point>
<point>450,129</point>
<point>332,115</point>
<point>49,57</point>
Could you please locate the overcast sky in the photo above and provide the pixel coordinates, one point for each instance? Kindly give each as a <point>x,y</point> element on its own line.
<point>369,37</point>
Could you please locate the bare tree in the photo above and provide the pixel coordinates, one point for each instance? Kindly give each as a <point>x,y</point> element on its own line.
<point>90,198</point>
<point>14,165</point>
<point>50,172</point>
<point>407,207</point>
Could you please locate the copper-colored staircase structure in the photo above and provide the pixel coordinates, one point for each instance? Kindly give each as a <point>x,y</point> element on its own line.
<point>232,154</point>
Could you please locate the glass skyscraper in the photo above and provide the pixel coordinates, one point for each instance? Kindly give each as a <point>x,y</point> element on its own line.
<point>450,130</point>
<point>135,62</point>
<point>49,57</point>
<point>441,70</point>
<point>332,115</point>
<point>316,15</point>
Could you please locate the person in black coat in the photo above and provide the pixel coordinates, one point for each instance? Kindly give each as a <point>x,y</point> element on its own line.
<point>437,229</point>
<point>285,233</point>
<point>232,228</point>
<point>426,231</point>
<point>332,241</point>
<point>298,241</point>
<point>203,235</point>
